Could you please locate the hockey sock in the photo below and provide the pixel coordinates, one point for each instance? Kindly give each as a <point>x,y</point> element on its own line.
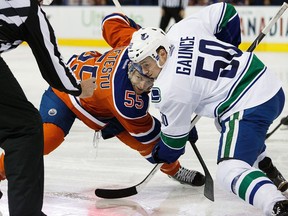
<point>170,169</point>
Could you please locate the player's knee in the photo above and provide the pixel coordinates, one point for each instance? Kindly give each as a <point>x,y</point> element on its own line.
<point>229,171</point>
<point>53,137</point>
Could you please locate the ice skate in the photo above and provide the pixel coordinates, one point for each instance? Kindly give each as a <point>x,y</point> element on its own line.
<point>190,177</point>
<point>280,182</point>
<point>273,174</point>
<point>280,208</point>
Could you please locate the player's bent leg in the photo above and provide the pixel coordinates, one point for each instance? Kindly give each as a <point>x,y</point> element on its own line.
<point>251,185</point>
<point>57,120</point>
<point>53,137</point>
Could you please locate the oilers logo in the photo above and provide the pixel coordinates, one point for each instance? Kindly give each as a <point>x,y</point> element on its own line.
<point>155,95</point>
<point>52,112</point>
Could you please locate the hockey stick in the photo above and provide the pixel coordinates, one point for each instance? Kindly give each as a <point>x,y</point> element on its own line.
<point>118,6</point>
<point>133,190</point>
<point>283,121</point>
<point>265,31</point>
<point>129,191</point>
<point>209,183</point>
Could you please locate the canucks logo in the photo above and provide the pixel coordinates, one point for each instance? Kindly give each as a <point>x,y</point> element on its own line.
<point>144,36</point>
<point>155,95</point>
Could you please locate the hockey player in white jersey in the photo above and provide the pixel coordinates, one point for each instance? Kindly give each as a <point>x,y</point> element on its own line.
<point>199,70</point>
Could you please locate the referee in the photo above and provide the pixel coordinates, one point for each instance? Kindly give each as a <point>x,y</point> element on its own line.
<point>21,132</point>
<point>171,9</point>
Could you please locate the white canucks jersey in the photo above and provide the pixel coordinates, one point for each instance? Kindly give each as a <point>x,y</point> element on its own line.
<point>206,76</point>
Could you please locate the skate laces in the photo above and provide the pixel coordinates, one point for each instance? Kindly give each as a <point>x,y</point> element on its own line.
<point>184,175</point>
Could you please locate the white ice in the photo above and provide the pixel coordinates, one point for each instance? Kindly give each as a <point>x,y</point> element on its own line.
<point>77,168</point>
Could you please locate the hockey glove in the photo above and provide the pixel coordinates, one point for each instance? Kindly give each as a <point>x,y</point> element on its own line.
<point>162,153</point>
<point>193,135</point>
<point>112,129</point>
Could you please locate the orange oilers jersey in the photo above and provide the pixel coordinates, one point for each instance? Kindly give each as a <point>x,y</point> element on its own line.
<point>113,97</point>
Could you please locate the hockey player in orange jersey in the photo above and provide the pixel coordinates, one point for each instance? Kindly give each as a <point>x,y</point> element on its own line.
<point>119,105</point>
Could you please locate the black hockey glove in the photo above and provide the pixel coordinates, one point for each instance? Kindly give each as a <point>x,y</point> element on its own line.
<point>193,135</point>
<point>112,129</point>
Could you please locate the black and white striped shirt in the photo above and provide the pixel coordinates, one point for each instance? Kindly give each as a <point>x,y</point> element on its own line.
<point>24,20</point>
<point>173,3</point>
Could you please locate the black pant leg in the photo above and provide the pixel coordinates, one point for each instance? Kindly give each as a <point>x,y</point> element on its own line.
<point>21,137</point>
<point>165,18</point>
<point>176,14</point>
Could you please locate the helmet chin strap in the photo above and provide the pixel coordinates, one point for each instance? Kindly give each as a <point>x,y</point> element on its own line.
<point>164,58</point>
<point>158,63</point>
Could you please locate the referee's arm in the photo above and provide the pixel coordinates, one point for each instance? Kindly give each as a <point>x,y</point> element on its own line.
<point>41,38</point>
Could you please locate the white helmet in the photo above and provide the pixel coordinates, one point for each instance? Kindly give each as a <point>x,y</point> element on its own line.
<point>145,42</point>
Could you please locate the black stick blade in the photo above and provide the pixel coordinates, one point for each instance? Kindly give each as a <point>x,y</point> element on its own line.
<point>115,193</point>
<point>209,188</point>
<point>209,183</point>
<point>129,191</point>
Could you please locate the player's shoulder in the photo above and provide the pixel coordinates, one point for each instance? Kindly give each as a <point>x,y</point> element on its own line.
<point>83,57</point>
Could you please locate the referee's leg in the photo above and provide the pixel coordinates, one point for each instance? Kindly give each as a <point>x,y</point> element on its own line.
<point>21,137</point>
